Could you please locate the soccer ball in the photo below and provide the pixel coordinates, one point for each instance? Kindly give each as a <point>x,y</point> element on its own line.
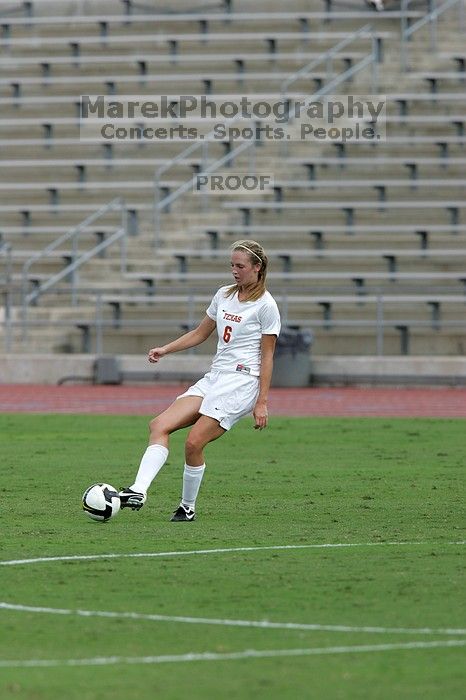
<point>101,502</point>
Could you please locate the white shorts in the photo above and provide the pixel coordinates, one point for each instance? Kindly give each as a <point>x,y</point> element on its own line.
<point>227,396</point>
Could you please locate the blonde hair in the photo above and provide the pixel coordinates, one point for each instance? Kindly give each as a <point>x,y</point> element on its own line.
<point>256,255</point>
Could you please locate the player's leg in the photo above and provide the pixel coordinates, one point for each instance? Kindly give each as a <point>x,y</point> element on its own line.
<point>182,413</point>
<point>204,430</point>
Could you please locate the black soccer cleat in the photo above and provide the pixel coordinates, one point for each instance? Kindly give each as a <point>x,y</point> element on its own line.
<point>183,514</point>
<point>131,499</point>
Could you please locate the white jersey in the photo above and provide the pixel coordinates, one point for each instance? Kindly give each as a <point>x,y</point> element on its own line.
<point>240,326</point>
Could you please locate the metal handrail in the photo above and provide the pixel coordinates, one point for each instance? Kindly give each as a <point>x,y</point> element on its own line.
<point>5,251</point>
<point>161,204</point>
<point>371,59</point>
<point>367,29</point>
<point>379,322</point>
<point>121,233</point>
<point>431,17</point>
<point>7,292</point>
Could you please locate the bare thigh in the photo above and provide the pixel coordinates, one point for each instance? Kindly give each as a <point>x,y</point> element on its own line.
<point>182,413</point>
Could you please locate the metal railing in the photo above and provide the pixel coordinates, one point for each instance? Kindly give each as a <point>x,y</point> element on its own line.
<point>430,19</point>
<point>372,59</point>
<point>5,253</point>
<point>162,204</point>
<point>77,259</point>
<point>7,293</point>
<point>93,329</point>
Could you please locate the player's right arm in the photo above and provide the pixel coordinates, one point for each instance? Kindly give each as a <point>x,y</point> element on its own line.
<point>185,341</point>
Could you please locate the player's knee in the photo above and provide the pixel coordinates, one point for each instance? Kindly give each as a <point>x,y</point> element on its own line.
<point>156,426</point>
<point>193,443</point>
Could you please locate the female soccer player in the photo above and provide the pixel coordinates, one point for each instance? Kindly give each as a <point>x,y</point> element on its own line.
<point>248,323</point>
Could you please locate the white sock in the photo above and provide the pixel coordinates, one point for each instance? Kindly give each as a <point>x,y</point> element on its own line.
<point>192,477</point>
<point>152,462</point>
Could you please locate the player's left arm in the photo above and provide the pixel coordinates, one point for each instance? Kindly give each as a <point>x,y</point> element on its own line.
<point>260,409</point>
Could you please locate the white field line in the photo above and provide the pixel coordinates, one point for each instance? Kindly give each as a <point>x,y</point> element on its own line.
<point>232,656</point>
<point>225,550</point>
<point>262,624</point>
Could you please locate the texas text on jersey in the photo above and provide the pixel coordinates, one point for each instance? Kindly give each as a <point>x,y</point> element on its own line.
<point>240,325</point>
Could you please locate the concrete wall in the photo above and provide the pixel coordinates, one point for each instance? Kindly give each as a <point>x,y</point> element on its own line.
<point>50,369</point>
<point>402,371</point>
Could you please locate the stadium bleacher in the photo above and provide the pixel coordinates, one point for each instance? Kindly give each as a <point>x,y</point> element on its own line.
<point>360,227</point>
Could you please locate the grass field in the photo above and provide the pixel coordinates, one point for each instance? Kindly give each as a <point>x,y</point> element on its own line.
<point>393,488</point>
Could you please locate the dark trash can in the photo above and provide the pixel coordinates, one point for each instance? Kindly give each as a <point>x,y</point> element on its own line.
<point>107,370</point>
<point>292,360</point>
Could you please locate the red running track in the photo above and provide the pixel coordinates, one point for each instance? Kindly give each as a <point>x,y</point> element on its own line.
<point>150,400</point>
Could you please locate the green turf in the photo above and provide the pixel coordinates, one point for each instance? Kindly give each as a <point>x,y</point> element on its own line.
<point>303,481</point>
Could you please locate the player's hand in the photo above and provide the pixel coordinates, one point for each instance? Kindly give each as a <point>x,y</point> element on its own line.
<point>156,353</point>
<point>261,415</point>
